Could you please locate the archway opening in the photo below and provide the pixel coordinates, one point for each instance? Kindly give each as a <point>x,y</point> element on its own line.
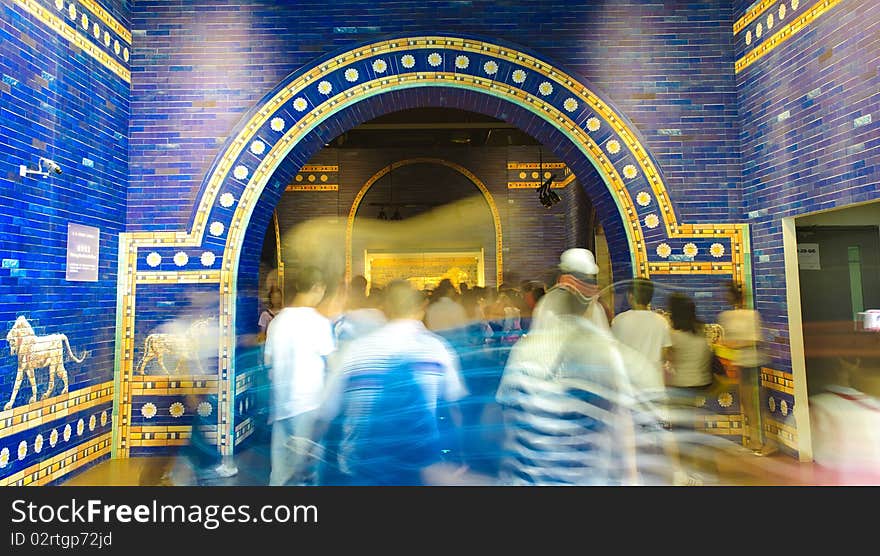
<point>439,184</point>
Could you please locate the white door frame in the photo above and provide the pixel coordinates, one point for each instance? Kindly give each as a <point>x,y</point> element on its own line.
<point>796,340</point>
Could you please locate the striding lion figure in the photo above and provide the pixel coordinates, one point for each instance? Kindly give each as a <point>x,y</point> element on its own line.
<point>184,345</point>
<point>35,352</point>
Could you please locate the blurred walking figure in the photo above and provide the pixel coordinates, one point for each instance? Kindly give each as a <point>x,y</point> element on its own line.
<point>359,316</point>
<point>568,404</point>
<point>743,334</point>
<point>274,305</point>
<point>845,425</point>
<point>690,355</point>
<point>298,341</point>
<point>532,293</point>
<point>200,461</point>
<point>356,295</point>
<point>645,331</point>
<point>445,312</point>
<point>688,377</point>
<point>388,392</point>
<point>578,272</point>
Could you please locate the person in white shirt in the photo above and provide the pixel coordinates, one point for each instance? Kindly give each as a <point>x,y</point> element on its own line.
<point>845,425</point>
<point>645,331</point>
<point>298,341</point>
<point>742,332</point>
<point>690,356</point>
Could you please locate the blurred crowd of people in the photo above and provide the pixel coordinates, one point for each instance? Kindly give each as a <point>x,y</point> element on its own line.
<point>530,384</point>
<point>541,383</point>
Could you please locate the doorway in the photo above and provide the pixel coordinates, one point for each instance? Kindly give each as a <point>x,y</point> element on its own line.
<point>833,277</point>
<point>839,273</point>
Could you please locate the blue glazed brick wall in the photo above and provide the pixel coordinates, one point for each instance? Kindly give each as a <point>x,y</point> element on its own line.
<point>198,67</point>
<point>803,148</point>
<point>57,102</point>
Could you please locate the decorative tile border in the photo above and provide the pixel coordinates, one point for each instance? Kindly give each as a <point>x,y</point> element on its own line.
<point>245,381</point>
<point>58,466</point>
<point>777,380</point>
<point>322,187</point>
<point>153,385</point>
<point>752,15</point>
<point>785,33</point>
<point>161,436</point>
<point>17,419</point>
<point>108,19</point>
<point>191,277</point>
<point>784,434</point>
<point>243,430</point>
<point>66,26</point>
<point>525,170</point>
<point>721,425</point>
<point>690,268</point>
<point>279,261</point>
<point>312,173</point>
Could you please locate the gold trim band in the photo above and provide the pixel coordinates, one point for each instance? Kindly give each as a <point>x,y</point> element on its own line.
<point>56,467</point>
<point>71,34</point>
<point>752,15</point>
<point>108,19</point>
<point>784,34</point>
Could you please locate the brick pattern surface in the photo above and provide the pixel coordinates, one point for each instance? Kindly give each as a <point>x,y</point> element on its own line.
<point>197,68</point>
<point>809,113</point>
<point>59,103</point>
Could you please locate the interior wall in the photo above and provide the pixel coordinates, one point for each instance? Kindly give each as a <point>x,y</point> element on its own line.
<point>443,211</point>
<point>59,102</point>
<point>808,110</point>
<point>807,132</point>
<point>667,66</point>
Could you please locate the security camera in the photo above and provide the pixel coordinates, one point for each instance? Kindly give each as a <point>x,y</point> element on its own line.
<point>51,165</point>
<point>43,168</point>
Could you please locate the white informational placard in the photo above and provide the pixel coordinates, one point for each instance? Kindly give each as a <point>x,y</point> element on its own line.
<point>83,246</point>
<point>808,256</point>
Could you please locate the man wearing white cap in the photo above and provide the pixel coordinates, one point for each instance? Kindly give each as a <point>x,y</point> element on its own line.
<point>565,395</point>
<point>579,270</point>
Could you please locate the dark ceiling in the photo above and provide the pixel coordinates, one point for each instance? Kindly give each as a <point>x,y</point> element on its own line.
<point>432,127</point>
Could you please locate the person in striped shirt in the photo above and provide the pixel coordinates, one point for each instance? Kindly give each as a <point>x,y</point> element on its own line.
<point>388,390</point>
<point>571,414</point>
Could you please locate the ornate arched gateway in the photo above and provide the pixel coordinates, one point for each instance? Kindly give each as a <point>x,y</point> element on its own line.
<point>339,91</point>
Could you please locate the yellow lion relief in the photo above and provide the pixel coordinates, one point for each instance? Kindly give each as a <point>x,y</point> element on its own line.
<point>35,352</point>
<point>186,347</point>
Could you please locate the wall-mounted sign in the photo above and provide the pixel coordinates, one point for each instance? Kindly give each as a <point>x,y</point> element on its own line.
<point>83,246</point>
<point>808,256</point>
